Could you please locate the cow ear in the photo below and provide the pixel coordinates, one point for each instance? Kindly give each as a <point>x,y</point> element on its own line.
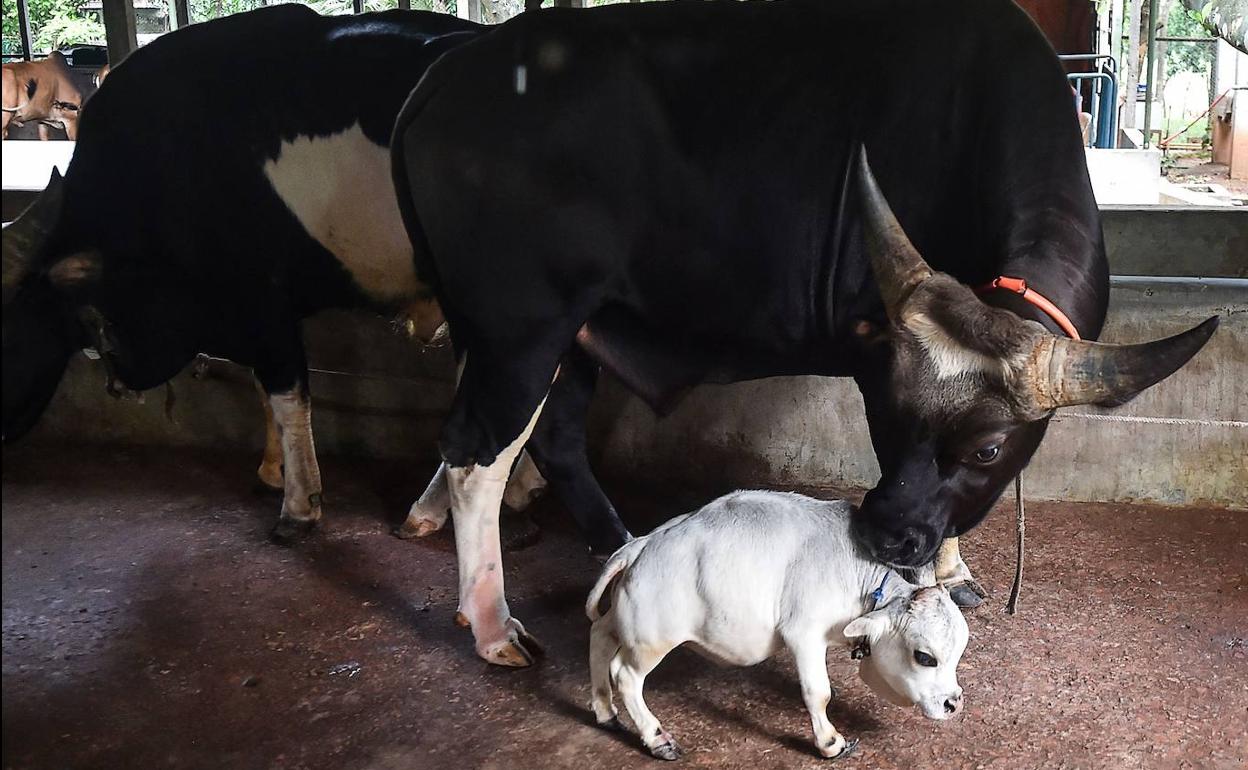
<point>873,625</point>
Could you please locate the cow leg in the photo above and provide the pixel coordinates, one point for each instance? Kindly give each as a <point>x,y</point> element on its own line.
<point>603,647</point>
<point>483,401</point>
<point>953,572</point>
<point>44,133</point>
<point>810,654</point>
<point>631,678</point>
<point>558,447</point>
<point>283,373</point>
<point>429,513</point>
<point>270,471</point>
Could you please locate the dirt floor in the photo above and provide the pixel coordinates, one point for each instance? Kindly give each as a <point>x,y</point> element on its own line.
<point>1196,168</point>
<point>148,623</point>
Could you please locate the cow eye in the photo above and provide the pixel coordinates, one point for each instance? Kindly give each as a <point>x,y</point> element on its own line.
<point>987,454</point>
<point>923,659</point>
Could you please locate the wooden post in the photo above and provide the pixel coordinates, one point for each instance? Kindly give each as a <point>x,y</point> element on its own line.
<point>23,23</point>
<point>119,29</point>
<point>181,14</point>
<point>569,3</point>
<point>468,9</point>
<point>405,5</point>
<point>357,6</point>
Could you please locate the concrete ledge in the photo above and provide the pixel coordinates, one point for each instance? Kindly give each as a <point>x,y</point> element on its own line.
<point>1177,240</point>
<point>1183,442</point>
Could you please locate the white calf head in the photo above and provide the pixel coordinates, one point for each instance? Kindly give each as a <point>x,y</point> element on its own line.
<point>916,643</point>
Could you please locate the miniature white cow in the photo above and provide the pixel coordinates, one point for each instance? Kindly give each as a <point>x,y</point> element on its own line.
<point>752,571</point>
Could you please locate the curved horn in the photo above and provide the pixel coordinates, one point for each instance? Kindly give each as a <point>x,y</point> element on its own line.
<point>24,239</point>
<point>1069,372</point>
<point>896,263</point>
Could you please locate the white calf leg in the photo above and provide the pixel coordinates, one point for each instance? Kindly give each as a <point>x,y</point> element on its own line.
<point>603,645</point>
<point>812,670</point>
<point>476,494</point>
<point>301,502</point>
<point>429,513</point>
<point>525,484</point>
<point>631,679</point>
<point>270,471</point>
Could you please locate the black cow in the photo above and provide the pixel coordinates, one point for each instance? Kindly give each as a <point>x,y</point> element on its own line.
<point>675,191</point>
<point>258,194</point>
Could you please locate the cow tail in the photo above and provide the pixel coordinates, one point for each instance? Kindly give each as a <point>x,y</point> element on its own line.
<point>618,562</point>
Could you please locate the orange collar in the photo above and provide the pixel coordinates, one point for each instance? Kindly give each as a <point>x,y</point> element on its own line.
<point>1020,287</point>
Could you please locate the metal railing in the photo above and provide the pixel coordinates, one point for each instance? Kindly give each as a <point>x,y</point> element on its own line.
<point>1103,93</point>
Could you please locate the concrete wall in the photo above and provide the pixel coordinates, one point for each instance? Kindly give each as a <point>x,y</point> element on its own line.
<point>1185,441</point>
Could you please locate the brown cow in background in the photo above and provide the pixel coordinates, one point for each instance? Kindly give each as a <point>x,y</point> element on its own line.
<point>41,92</point>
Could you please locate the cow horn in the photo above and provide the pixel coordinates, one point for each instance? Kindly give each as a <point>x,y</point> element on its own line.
<point>897,265</point>
<point>1070,372</point>
<point>24,239</point>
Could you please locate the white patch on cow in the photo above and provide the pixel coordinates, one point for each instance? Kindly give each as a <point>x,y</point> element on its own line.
<point>951,358</point>
<point>339,189</point>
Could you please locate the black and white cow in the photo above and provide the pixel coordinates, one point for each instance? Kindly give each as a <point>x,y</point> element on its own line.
<point>676,191</point>
<point>258,194</point>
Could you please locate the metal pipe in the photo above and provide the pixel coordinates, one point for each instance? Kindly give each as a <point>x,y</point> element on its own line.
<point>1149,55</point>
<point>23,24</point>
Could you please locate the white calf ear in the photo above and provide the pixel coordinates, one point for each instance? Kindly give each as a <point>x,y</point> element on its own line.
<point>872,625</point>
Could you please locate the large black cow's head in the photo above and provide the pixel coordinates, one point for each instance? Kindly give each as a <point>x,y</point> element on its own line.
<point>960,392</point>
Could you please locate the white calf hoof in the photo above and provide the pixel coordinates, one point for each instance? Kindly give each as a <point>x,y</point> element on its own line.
<point>839,748</point>
<point>669,749</point>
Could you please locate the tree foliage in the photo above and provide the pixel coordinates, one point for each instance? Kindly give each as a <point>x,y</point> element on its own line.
<point>1228,19</point>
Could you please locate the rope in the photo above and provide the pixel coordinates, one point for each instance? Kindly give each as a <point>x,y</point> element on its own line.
<point>1152,420</point>
<point>1020,523</point>
<point>1164,142</point>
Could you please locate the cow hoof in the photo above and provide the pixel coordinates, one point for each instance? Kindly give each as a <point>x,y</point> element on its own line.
<point>519,649</point>
<point>290,531</point>
<point>846,749</point>
<point>967,594</point>
<point>517,530</point>
<point>670,750</point>
<point>417,527</point>
<point>613,725</point>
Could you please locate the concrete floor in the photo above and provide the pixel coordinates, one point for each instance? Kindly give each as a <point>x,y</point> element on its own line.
<point>148,623</point>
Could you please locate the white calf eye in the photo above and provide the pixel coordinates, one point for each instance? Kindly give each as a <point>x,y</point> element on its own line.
<point>923,659</point>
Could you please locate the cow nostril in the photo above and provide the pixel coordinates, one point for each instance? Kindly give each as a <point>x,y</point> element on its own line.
<point>950,707</point>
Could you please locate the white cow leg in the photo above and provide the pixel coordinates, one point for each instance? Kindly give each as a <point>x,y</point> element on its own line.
<point>428,514</point>
<point>810,655</point>
<point>631,679</point>
<point>603,646</point>
<point>270,471</point>
<point>476,495</point>
<point>956,576</point>
<point>301,501</point>
<point>525,485</point>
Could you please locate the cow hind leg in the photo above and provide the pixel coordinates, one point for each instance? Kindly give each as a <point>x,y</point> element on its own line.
<point>492,393</point>
<point>965,591</point>
<point>634,666</point>
<point>270,470</point>
<point>603,647</point>
<point>558,447</point>
<point>301,499</point>
<point>283,374</point>
<point>429,514</point>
